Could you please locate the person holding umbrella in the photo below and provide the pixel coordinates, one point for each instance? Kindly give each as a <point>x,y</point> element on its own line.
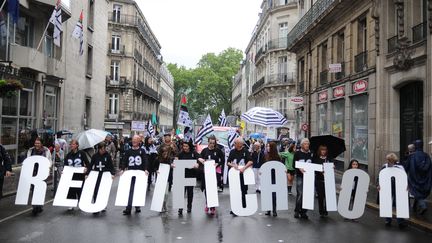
<point>303,155</point>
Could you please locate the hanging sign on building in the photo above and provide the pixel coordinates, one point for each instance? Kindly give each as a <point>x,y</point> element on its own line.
<point>335,68</point>
<point>360,86</point>
<point>323,96</point>
<point>138,126</point>
<point>339,92</point>
<point>297,100</point>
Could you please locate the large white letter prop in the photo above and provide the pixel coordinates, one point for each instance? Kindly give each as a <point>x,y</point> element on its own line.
<point>85,204</point>
<point>27,179</point>
<point>65,184</point>
<point>330,187</point>
<point>267,188</point>
<point>385,194</point>
<point>235,193</point>
<point>180,182</point>
<point>139,192</point>
<point>211,184</point>
<point>360,195</point>
<point>309,182</point>
<point>160,188</point>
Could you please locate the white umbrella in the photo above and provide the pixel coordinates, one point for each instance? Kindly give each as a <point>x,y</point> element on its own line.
<point>430,142</point>
<point>90,138</point>
<point>264,116</point>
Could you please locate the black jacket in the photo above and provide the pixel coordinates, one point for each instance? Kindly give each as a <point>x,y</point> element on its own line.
<point>190,173</point>
<point>134,159</point>
<point>216,154</point>
<point>5,162</point>
<point>101,163</point>
<point>77,159</point>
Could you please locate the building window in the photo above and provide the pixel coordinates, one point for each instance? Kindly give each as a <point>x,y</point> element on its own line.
<point>322,119</point>
<point>362,35</point>
<point>89,66</point>
<point>115,71</point>
<point>48,47</point>
<point>24,31</point>
<point>359,129</point>
<point>115,45</point>
<point>283,67</point>
<point>113,104</point>
<point>323,64</point>
<point>50,108</point>
<point>338,119</point>
<point>116,13</point>
<point>91,14</point>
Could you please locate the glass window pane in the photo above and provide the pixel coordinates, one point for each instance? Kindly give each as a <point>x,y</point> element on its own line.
<point>24,138</point>
<point>10,106</point>
<point>359,131</point>
<point>8,131</point>
<point>26,103</point>
<point>322,119</point>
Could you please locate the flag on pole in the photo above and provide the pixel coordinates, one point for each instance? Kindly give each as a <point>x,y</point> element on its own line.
<point>56,20</point>
<point>232,135</point>
<point>78,33</point>
<point>206,129</point>
<point>13,10</point>
<point>222,119</point>
<point>184,118</point>
<point>150,128</point>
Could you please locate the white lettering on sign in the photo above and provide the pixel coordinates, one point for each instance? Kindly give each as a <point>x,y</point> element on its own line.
<point>322,96</point>
<point>297,100</point>
<point>338,92</point>
<point>360,86</point>
<point>335,68</point>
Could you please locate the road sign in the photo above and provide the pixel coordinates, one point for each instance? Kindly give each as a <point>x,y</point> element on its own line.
<point>305,127</point>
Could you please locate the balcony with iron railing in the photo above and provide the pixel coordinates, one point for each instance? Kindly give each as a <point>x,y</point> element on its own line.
<point>360,62</point>
<point>323,77</point>
<point>281,79</point>
<point>256,86</point>
<point>419,32</point>
<point>111,82</point>
<point>260,53</point>
<point>284,3</point>
<point>138,55</point>
<point>392,44</point>
<point>147,90</point>
<point>279,43</point>
<point>341,74</point>
<point>308,20</point>
<point>135,21</point>
<point>116,50</point>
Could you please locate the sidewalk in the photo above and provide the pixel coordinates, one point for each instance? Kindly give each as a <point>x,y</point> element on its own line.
<point>423,222</point>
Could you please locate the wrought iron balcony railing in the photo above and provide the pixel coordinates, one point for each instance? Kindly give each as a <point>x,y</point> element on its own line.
<point>119,50</point>
<point>258,85</point>
<point>281,79</point>
<point>280,43</point>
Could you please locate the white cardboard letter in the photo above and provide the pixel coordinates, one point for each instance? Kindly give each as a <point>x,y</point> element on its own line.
<point>309,182</point>
<point>160,188</point>
<point>385,198</point>
<point>86,204</point>
<point>267,188</point>
<point>180,182</point>
<point>27,179</point>
<point>65,184</point>
<point>330,187</point>
<point>359,197</point>
<point>235,193</point>
<point>140,188</point>
<point>211,184</point>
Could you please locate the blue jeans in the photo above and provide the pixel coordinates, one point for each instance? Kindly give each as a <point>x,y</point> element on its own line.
<point>299,197</point>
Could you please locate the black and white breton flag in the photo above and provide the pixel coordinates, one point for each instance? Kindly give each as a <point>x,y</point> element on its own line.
<point>183,118</point>
<point>222,119</point>
<point>232,135</point>
<point>150,128</point>
<point>206,129</point>
<point>56,20</point>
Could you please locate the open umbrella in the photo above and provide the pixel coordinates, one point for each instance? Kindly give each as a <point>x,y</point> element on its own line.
<point>90,138</point>
<point>264,116</point>
<point>256,135</point>
<point>334,145</point>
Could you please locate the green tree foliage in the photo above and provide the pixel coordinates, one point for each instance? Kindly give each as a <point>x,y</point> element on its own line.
<point>208,87</point>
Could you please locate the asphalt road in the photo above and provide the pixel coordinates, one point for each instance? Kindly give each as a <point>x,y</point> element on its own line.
<point>55,224</point>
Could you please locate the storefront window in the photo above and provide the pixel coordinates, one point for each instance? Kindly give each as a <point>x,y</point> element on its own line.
<point>359,131</point>
<point>8,131</point>
<point>338,120</point>
<point>50,101</point>
<point>322,119</point>
<point>10,106</point>
<point>26,102</point>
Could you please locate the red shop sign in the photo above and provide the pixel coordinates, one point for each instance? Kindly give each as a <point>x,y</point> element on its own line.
<point>360,86</point>
<point>322,96</point>
<point>339,92</point>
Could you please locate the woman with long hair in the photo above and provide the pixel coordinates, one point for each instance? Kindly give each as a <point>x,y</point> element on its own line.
<point>272,155</point>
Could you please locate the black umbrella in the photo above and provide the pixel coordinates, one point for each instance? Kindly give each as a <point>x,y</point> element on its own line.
<point>334,145</point>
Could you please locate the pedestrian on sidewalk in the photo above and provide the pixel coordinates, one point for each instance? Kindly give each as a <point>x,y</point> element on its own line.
<point>5,167</point>
<point>321,158</point>
<point>419,169</point>
<point>392,161</point>
<point>303,155</point>
<point>76,158</point>
<point>288,156</point>
<point>101,162</point>
<point>257,159</point>
<point>212,152</point>
<point>188,153</point>
<point>272,155</point>
<point>134,159</point>
<point>40,150</point>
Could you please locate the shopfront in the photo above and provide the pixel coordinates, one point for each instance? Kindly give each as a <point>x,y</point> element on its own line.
<point>359,121</point>
<point>322,108</point>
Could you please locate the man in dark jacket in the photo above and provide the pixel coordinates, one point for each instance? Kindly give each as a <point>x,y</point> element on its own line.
<point>5,167</point>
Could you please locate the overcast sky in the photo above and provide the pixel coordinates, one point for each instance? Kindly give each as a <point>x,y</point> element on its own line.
<point>187,29</point>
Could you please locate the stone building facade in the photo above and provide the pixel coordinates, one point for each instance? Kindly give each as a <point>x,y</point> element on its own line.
<point>133,64</point>
<point>270,70</point>
<point>166,109</point>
